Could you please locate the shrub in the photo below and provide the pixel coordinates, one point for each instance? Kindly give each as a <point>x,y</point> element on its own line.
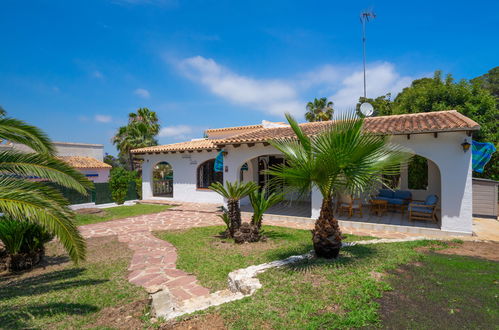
<point>23,243</point>
<point>118,183</point>
<point>138,184</point>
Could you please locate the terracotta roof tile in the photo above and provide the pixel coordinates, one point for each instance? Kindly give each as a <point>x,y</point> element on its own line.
<point>83,162</point>
<point>201,144</point>
<point>427,122</point>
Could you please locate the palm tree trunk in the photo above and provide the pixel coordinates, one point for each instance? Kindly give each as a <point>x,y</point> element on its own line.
<point>234,215</point>
<point>326,235</point>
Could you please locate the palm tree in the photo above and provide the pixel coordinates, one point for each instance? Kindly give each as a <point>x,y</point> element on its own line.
<point>319,110</point>
<point>261,201</point>
<point>27,191</point>
<point>140,132</point>
<point>342,158</point>
<point>233,192</point>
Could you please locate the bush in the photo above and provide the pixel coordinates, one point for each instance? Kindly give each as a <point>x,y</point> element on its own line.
<point>23,243</point>
<point>118,183</point>
<point>138,184</point>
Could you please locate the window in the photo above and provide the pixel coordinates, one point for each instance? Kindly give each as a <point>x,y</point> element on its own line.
<point>206,174</point>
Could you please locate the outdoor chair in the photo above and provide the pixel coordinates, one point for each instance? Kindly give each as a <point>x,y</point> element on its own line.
<point>350,205</point>
<point>424,210</point>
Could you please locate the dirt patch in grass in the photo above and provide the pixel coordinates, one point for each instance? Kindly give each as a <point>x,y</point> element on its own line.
<point>91,210</point>
<point>58,294</point>
<point>484,250</point>
<point>200,322</point>
<point>122,317</point>
<point>451,287</point>
<point>245,249</point>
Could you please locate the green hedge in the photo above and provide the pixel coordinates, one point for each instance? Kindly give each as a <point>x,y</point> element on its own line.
<point>100,195</point>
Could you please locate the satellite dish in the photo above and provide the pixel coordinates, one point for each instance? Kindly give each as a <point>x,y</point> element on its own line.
<point>366,109</point>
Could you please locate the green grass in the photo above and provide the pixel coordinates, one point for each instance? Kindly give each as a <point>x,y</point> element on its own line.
<point>62,295</point>
<point>343,293</point>
<point>447,292</point>
<point>211,259</point>
<point>120,212</point>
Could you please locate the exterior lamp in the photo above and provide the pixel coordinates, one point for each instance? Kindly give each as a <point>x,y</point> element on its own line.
<point>466,145</point>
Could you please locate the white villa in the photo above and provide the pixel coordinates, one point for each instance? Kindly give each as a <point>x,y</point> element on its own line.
<point>183,171</point>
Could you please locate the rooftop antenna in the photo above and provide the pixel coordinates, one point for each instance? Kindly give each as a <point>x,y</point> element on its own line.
<point>365,16</point>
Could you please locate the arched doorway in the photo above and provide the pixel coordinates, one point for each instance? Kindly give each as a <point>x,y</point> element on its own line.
<point>162,180</point>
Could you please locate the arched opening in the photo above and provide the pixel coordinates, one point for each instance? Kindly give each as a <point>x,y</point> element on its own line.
<point>206,175</point>
<point>294,204</point>
<point>162,180</point>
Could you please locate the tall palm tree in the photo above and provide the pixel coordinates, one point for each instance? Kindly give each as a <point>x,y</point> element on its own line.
<point>342,158</point>
<point>233,192</point>
<point>140,132</point>
<point>319,110</point>
<point>26,185</point>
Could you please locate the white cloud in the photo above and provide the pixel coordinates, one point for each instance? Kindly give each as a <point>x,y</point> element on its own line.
<point>178,132</point>
<point>103,118</point>
<point>343,84</point>
<point>272,96</point>
<point>381,78</point>
<point>143,93</point>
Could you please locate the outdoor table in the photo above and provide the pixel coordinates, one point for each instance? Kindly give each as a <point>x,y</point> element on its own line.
<point>379,206</point>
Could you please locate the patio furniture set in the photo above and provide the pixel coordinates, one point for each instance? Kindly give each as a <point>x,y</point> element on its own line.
<point>396,200</point>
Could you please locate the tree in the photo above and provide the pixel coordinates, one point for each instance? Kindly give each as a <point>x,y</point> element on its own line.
<point>141,131</point>
<point>319,110</point>
<point>490,82</point>
<point>119,180</point>
<point>343,158</point>
<point>233,192</point>
<point>382,105</point>
<point>38,201</point>
<point>471,98</point>
<point>111,160</point>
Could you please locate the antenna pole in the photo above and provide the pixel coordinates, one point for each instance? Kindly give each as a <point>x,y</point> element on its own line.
<point>364,17</point>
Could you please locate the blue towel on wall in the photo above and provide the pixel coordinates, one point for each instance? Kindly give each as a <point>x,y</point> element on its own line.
<point>219,162</point>
<point>482,152</point>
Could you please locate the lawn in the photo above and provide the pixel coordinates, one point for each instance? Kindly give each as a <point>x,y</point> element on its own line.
<point>343,293</point>
<point>211,259</point>
<point>120,212</point>
<point>62,295</point>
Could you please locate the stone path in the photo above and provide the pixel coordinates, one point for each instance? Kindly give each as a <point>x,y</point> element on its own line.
<point>153,264</point>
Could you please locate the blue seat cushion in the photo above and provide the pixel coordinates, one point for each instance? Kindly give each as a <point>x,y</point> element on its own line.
<point>402,194</point>
<point>395,201</point>
<point>385,193</point>
<point>431,200</point>
<point>383,198</point>
<point>421,209</point>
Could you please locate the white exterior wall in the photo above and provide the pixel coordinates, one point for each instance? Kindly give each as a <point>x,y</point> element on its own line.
<point>184,176</point>
<point>80,149</point>
<point>449,174</point>
<point>103,174</point>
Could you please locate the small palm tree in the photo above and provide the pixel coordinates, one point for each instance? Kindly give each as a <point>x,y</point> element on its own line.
<point>233,192</point>
<point>342,158</point>
<point>319,110</point>
<point>261,201</point>
<point>27,191</point>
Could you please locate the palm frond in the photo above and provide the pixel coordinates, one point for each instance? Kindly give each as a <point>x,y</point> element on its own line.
<point>32,201</point>
<point>43,166</point>
<point>18,131</point>
<point>233,190</point>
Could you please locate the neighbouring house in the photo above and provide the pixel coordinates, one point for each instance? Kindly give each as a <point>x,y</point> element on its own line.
<point>183,171</point>
<point>86,158</point>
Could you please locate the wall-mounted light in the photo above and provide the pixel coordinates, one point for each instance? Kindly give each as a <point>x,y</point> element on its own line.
<point>466,145</point>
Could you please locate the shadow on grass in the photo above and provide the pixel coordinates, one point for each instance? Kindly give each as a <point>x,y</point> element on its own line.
<point>19,317</point>
<point>347,256</point>
<point>43,283</point>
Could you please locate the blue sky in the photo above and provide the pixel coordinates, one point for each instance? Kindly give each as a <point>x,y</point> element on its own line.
<point>77,68</point>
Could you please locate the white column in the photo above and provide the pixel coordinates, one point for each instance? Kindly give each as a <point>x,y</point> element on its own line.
<point>146,178</point>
